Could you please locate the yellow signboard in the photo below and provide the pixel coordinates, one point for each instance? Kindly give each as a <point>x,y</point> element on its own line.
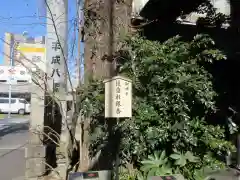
<point>31,54</point>
<point>31,49</point>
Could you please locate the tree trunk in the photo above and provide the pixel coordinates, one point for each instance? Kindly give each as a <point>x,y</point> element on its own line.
<point>84,152</point>
<point>106,23</point>
<point>105,26</point>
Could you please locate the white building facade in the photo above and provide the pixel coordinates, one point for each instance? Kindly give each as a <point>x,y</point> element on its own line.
<point>17,75</point>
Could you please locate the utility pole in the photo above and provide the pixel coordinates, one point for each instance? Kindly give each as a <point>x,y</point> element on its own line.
<point>10,79</point>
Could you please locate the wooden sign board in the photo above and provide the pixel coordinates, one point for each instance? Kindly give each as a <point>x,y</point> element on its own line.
<point>118,97</point>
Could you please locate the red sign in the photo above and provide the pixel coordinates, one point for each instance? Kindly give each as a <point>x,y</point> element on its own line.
<point>90,175</point>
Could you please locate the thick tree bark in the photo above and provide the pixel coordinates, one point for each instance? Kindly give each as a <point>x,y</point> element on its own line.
<point>107,21</point>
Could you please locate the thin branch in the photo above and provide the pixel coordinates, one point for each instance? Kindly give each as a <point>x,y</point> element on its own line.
<point>53,170</point>
<point>44,134</point>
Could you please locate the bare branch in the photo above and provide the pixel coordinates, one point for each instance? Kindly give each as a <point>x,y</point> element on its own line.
<point>42,133</point>
<point>54,170</point>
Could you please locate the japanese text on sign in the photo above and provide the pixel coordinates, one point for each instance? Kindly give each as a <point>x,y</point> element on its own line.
<point>56,60</point>
<point>118,99</point>
<point>56,87</point>
<point>36,58</point>
<point>118,96</point>
<point>55,46</point>
<point>56,63</point>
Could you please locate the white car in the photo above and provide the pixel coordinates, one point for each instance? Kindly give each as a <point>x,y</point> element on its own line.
<point>18,105</point>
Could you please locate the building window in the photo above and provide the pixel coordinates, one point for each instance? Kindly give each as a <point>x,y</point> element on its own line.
<point>22,81</point>
<point>23,101</point>
<point>13,101</point>
<point>4,101</point>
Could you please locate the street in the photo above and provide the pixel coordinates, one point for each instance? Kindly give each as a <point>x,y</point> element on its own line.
<point>13,137</point>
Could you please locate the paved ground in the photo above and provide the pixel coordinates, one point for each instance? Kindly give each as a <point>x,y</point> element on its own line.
<point>13,137</point>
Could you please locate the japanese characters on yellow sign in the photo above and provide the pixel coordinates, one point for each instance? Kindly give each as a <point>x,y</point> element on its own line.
<point>118,97</point>
<point>32,55</point>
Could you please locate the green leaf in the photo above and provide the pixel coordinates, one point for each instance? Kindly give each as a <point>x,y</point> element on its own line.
<point>175,156</point>
<point>166,170</point>
<point>148,161</point>
<point>152,172</point>
<point>147,168</point>
<point>172,92</point>
<point>181,162</point>
<point>190,157</point>
<point>156,156</point>
<point>140,176</point>
<point>163,155</point>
